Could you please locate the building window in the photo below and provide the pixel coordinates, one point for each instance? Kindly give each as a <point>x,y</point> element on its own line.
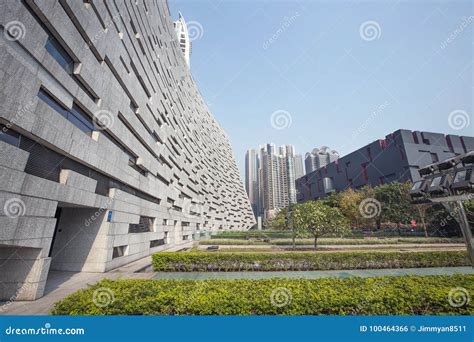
<point>9,136</point>
<point>156,243</point>
<point>119,251</point>
<point>60,55</point>
<point>369,154</point>
<point>364,172</point>
<point>145,224</point>
<point>186,237</point>
<point>400,149</point>
<point>415,137</point>
<point>75,115</point>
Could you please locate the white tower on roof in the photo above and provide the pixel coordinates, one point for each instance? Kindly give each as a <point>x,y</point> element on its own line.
<point>183,37</point>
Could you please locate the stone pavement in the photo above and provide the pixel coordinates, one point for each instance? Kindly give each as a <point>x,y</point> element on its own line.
<point>61,284</point>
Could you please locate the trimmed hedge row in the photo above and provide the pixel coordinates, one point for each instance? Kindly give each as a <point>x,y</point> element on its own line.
<point>224,262</point>
<point>406,295</point>
<point>331,241</point>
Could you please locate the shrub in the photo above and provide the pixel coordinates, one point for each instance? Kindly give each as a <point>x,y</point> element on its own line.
<point>302,261</point>
<point>406,295</point>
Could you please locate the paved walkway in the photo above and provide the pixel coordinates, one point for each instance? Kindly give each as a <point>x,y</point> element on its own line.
<point>62,284</point>
<point>316,274</point>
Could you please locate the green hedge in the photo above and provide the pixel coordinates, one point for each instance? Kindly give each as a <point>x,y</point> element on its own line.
<point>222,262</point>
<point>331,241</point>
<point>406,295</point>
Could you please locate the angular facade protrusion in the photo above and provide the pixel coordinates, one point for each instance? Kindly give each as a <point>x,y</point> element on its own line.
<point>108,153</point>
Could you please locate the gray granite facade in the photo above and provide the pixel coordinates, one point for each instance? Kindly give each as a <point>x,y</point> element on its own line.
<point>107,151</point>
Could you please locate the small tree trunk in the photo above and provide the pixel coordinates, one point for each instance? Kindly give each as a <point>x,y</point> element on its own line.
<point>398,228</point>
<point>424,226</point>
<point>294,238</point>
<point>315,242</point>
<point>422,217</point>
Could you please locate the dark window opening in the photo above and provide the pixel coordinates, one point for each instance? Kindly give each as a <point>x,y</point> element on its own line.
<point>60,55</point>
<point>144,225</point>
<point>9,136</point>
<point>75,115</point>
<point>156,243</point>
<point>119,251</point>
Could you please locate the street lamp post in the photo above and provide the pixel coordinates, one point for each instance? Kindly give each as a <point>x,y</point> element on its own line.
<point>450,183</point>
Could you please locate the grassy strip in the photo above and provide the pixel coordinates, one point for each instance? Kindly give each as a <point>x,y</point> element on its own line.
<point>288,234</point>
<point>304,261</point>
<point>330,241</point>
<point>405,295</point>
<point>322,249</point>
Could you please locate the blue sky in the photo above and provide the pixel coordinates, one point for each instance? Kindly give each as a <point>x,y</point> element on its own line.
<point>337,73</point>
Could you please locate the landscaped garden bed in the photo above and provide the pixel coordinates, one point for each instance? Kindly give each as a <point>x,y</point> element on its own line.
<point>405,295</point>
<point>303,261</point>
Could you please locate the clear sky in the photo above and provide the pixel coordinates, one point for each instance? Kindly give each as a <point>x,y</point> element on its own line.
<point>337,73</point>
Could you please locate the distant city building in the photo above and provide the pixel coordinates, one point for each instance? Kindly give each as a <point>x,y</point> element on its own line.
<point>276,175</point>
<point>183,37</point>
<point>395,158</point>
<point>319,157</point>
<point>251,178</point>
<point>299,168</point>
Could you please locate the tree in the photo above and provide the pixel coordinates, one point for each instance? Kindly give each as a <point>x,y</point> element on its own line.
<point>333,199</point>
<point>423,215</point>
<point>316,219</point>
<point>349,201</point>
<point>395,203</point>
<point>279,221</point>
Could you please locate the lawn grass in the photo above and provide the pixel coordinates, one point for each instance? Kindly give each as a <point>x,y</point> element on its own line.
<point>332,241</point>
